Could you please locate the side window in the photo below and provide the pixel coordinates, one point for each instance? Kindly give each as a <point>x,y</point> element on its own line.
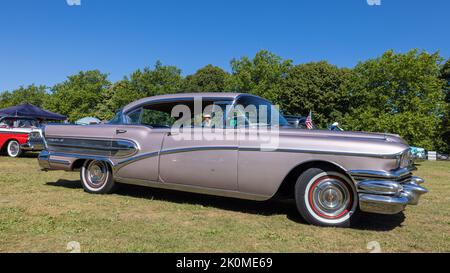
<point>149,117</point>
<point>156,118</point>
<point>252,106</point>
<point>117,119</point>
<point>134,117</point>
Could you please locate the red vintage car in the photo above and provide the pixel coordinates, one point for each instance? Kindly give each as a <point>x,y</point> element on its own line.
<point>19,134</point>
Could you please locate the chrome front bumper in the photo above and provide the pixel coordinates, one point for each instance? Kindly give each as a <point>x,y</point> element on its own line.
<point>387,192</point>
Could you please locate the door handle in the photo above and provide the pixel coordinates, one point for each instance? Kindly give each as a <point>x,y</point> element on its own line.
<point>120,131</point>
<point>172,134</point>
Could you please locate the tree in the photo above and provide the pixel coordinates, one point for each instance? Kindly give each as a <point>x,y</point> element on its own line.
<point>140,84</point>
<point>32,94</point>
<point>445,75</point>
<point>161,80</point>
<point>116,97</point>
<point>263,75</point>
<point>80,95</point>
<point>316,87</point>
<point>398,93</point>
<point>207,79</point>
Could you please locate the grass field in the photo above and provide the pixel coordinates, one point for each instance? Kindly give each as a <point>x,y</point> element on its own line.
<point>43,212</point>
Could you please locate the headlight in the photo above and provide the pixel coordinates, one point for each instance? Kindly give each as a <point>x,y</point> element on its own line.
<point>405,159</point>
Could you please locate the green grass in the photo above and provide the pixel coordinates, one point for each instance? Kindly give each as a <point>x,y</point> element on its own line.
<point>42,212</point>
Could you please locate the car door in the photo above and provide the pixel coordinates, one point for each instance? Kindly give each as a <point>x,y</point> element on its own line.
<point>144,163</point>
<point>209,162</point>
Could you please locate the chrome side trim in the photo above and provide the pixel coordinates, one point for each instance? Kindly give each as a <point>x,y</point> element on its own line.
<point>128,161</point>
<point>304,151</point>
<point>193,149</point>
<point>72,152</point>
<point>56,161</point>
<point>45,153</point>
<point>92,146</point>
<point>193,189</point>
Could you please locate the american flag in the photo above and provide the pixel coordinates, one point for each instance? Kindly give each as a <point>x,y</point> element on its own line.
<point>308,122</point>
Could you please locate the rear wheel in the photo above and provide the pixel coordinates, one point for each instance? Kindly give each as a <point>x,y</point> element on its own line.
<point>97,177</point>
<point>14,149</point>
<point>326,198</point>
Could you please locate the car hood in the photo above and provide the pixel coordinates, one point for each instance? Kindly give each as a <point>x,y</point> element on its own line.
<point>341,142</point>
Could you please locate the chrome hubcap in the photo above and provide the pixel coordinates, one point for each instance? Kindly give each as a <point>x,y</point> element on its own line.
<point>14,148</point>
<point>97,174</point>
<point>331,197</point>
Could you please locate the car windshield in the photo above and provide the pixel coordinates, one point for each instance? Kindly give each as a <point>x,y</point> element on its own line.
<point>253,111</point>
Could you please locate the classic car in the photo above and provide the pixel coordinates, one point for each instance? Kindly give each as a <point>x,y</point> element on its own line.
<point>19,134</point>
<point>330,175</point>
<point>298,121</point>
<point>418,154</point>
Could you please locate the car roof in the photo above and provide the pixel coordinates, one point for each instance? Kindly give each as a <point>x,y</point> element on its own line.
<point>185,96</point>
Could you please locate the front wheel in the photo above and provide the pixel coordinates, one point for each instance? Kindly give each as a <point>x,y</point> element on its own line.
<point>14,149</point>
<point>97,177</point>
<point>326,198</point>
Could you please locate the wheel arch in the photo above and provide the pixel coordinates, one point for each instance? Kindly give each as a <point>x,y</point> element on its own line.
<point>5,144</point>
<point>77,164</point>
<point>287,186</point>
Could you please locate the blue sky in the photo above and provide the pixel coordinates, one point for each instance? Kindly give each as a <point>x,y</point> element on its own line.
<point>43,41</point>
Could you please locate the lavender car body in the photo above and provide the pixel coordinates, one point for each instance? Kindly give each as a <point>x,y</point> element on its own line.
<point>332,175</point>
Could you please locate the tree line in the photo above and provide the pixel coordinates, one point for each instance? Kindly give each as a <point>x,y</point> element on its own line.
<point>403,93</point>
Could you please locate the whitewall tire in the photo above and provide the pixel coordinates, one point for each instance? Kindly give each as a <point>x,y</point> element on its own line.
<point>325,197</point>
<point>97,177</point>
<point>13,149</point>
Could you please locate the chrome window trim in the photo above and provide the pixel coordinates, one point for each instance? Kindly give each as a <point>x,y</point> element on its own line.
<point>143,104</point>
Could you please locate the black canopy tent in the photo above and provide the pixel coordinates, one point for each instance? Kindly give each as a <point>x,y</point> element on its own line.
<point>29,110</point>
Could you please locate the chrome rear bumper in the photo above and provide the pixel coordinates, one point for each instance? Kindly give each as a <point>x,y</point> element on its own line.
<point>387,192</point>
<point>44,160</point>
<point>32,146</point>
